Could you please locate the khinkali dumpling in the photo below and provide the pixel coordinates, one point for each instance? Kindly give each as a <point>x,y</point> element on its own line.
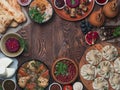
<point>117,65</point>
<point>88,72</point>
<point>115,81</point>
<point>109,52</point>
<point>93,57</point>
<point>105,68</point>
<point>100,84</point>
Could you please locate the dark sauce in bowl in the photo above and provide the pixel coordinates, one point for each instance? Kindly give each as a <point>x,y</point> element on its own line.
<point>101,1</point>
<point>8,85</point>
<point>59,3</point>
<point>55,87</point>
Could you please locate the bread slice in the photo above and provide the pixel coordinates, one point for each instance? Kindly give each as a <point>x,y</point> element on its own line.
<point>17,7</point>
<point>4,22</point>
<point>13,9</point>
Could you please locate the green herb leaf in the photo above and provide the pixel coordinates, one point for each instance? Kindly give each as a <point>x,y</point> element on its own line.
<point>61,68</point>
<point>73,2</point>
<point>1,88</point>
<point>23,44</point>
<point>36,15</point>
<point>116,32</point>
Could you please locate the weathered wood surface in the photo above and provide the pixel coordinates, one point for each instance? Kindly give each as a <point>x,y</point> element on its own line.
<point>54,39</point>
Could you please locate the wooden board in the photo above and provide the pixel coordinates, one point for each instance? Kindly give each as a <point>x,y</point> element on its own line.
<point>88,83</point>
<point>65,16</point>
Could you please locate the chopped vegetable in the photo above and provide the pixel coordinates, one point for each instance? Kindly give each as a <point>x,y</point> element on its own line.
<point>36,15</point>
<point>61,68</point>
<point>40,68</point>
<point>22,72</point>
<point>30,86</point>
<point>45,74</point>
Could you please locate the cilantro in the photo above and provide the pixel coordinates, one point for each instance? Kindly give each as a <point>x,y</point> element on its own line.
<point>1,88</point>
<point>39,88</point>
<point>99,66</point>
<point>61,68</point>
<point>23,43</point>
<point>73,2</point>
<point>116,32</point>
<point>36,15</point>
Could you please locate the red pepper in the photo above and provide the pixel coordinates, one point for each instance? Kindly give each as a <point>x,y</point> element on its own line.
<point>67,87</point>
<point>30,86</point>
<point>22,72</point>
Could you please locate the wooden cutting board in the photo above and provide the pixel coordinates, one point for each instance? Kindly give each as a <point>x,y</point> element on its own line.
<point>88,83</point>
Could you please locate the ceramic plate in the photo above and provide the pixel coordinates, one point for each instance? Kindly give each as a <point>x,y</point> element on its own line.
<point>64,15</point>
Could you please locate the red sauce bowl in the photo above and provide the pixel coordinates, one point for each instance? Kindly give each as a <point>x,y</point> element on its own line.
<point>101,2</point>
<point>71,71</point>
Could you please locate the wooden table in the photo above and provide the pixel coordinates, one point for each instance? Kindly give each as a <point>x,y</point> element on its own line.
<point>54,39</point>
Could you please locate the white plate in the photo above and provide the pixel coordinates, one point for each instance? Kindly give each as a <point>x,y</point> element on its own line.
<point>13,65</point>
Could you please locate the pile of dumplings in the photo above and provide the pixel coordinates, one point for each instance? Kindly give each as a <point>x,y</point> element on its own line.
<point>103,68</point>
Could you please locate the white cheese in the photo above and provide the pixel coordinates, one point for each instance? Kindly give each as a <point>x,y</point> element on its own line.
<point>5,62</point>
<point>77,86</point>
<point>10,72</point>
<point>2,72</point>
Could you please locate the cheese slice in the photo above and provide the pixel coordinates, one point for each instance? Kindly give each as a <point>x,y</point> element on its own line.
<point>5,62</point>
<point>2,72</point>
<point>10,72</point>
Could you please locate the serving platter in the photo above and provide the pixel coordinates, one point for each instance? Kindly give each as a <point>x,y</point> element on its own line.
<point>33,72</point>
<point>13,65</point>
<point>62,13</point>
<point>83,61</point>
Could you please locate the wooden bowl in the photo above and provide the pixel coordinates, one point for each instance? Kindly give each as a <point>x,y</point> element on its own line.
<point>3,47</point>
<point>53,70</point>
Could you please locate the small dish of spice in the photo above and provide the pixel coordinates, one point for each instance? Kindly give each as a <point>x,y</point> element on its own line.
<point>59,4</point>
<point>12,44</point>
<point>24,2</point>
<point>8,85</point>
<point>101,2</point>
<point>55,86</point>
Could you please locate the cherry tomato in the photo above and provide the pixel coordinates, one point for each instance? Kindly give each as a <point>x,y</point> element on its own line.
<point>67,87</point>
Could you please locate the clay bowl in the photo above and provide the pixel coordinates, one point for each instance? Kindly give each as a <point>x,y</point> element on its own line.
<point>3,47</point>
<point>71,71</point>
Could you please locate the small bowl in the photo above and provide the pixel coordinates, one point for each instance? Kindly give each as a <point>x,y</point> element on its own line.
<point>53,70</point>
<point>24,4</point>
<point>3,47</point>
<point>60,7</point>
<point>101,3</point>
<point>8,83</point>
<point>55,84</point>
<point>78,84</point>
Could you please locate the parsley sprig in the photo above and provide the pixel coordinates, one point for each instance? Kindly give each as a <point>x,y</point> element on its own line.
<point>61,68</point>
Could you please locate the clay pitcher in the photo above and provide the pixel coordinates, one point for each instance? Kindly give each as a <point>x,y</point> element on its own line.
<point>111,9</point>
<point>97,18</point>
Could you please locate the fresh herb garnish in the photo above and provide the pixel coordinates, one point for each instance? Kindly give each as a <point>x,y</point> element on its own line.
<point>116,32</point>
<point>1,88</point>
<point>99,66</point>
<point>39,88</point>
<point>105,88</point>
<point>23,44</point>
<point>61,68</point>
<point>36,15</point>
<point>73,2</point>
